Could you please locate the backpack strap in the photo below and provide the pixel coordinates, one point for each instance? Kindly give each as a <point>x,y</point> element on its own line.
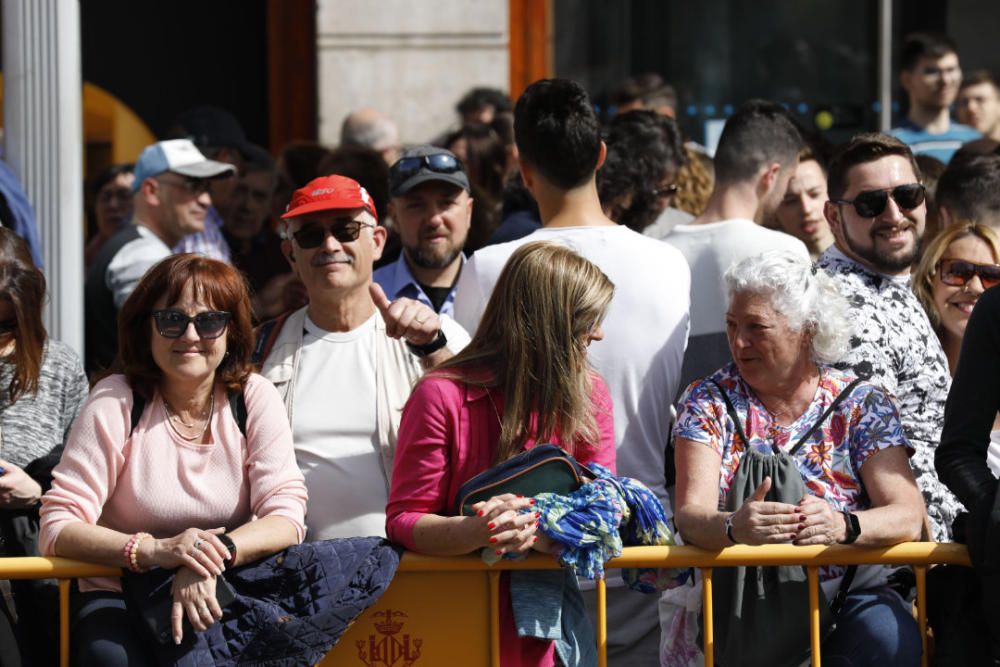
<point>237,403</point>
<point>138,406</point>
<point>267,334</point>
<point>731,410</point>
<point>822,418</point>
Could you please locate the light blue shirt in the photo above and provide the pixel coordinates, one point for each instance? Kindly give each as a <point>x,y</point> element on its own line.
<point>396,280</point>
<point>941,146</point>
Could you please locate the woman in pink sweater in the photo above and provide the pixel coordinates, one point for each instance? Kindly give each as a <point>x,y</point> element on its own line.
<point>182,488</point>
<point>524,379</point>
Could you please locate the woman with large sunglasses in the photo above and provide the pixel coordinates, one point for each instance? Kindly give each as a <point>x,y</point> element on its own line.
<point>42,388</point>
<point>959,264</point>
<point>185,484</point>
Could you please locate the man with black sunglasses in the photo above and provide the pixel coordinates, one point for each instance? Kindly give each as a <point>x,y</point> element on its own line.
<point>877,213</point>
<point>432,210</point>
<point>170,201</point>
<point>345,363</point>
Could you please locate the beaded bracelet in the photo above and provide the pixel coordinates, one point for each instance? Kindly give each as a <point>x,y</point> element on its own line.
<point>132,551</point>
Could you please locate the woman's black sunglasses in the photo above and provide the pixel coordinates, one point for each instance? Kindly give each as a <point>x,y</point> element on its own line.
<point>871,203</point>
<point>173,323</point>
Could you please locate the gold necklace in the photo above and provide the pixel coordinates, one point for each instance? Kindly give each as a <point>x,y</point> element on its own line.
<point>208,419</point>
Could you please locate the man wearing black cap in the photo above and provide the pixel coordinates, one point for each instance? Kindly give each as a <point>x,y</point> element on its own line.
<point>432,210</point>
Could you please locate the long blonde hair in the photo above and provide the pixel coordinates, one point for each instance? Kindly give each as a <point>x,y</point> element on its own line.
<point>531,345</point>
<point>923,276</point>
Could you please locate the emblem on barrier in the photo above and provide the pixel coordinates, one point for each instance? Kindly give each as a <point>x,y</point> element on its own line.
<point>386,649</point>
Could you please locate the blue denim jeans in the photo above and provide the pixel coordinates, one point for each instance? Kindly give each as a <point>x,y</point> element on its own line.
<point>875,627</point>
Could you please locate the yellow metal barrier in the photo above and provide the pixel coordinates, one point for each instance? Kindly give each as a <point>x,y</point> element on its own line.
<point>445,610</point>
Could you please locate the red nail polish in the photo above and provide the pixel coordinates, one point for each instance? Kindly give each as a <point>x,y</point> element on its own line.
<point>531,502</point>
<point>499,552</point>
<point>479,513</point>
<point>493,540</point>
<point>520,496</point>
<point>491,525</point>
<point>538,514</point>
<point>534,539</point>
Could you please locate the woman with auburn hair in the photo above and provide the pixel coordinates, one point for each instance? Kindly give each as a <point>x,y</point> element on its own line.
<point>959,264</point>
<point>162,471</point>
<point>42,388</point>
<point>523,380</point>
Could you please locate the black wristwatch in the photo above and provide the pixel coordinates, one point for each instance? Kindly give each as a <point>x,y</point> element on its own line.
<point>228,542</point>
<point>853,527</point>
<point>429,348</point>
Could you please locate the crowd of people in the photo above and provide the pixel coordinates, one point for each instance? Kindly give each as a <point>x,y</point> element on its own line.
<point>784,341</point>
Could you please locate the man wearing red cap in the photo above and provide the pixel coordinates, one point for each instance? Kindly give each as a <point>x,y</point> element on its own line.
<point>345,363</point>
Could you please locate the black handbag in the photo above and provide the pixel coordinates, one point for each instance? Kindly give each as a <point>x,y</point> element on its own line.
<point>541,469</point>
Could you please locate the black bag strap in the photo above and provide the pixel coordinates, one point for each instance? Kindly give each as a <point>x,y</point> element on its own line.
<point>731,411</point>
<point>845,584</point>
<point>237,403</point>
<point>822,418</point>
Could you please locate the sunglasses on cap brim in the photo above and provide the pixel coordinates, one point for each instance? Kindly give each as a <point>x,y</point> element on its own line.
<point>407,167</point>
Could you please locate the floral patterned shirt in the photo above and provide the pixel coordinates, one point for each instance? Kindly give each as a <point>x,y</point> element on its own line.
<point>830,461</point>
<point>894,347</point>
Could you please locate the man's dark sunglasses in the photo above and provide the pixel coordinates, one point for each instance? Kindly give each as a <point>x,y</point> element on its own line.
<point>192,186</point>
<point>312,235</point>
<point>871,203</point>
<point>439,163</point>
<point>958,272</point>
<point>8,327</point>
<point>173,323</point>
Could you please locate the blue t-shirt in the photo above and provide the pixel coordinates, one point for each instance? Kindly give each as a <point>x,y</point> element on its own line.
<point>941,146</point>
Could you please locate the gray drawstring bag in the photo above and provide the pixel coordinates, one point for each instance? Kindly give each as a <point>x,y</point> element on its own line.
<point>761,614</point>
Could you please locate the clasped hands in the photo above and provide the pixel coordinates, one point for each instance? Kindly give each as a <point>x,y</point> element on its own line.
<point>811,521</point>
<point>198,556</point>
<point>501,524</point>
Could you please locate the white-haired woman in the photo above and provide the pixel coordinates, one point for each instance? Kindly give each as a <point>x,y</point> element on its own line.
<point>779,408</point>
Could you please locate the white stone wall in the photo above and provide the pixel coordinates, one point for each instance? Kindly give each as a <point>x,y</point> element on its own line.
<point>412,59</point>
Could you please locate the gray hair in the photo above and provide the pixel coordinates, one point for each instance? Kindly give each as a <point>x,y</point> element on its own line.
<point>368,128</point>
<point>806,298</point>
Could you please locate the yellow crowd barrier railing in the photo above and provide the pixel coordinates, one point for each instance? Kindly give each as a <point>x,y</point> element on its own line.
<point>452,604</point>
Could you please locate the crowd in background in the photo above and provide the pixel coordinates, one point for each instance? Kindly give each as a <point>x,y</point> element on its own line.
<point>782,339</point>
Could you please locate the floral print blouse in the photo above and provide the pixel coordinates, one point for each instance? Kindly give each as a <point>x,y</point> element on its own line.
<point>830,461</point>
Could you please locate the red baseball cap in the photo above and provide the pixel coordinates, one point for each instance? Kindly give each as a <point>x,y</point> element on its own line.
<point>329,193</point>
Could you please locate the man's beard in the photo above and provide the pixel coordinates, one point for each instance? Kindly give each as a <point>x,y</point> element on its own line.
<point>428,259</point>
<point>882,261</point>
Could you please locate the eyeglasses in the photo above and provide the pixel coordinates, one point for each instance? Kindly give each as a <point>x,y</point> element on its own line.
<point>313,234</point>
<point>871,203</point>
<point>958,272</point>
<point>173,323</point>
<point>8,327</point>
<point>667,191</point>
<point>192,186</point>
<point>439,163</point>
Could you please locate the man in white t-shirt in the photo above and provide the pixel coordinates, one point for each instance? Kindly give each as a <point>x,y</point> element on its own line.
<point>645,331</point>
<point>346,362</point>
<point>755,159</point>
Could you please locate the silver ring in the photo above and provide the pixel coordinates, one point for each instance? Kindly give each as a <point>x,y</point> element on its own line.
<point>198,542</point>
<point>203,609</point>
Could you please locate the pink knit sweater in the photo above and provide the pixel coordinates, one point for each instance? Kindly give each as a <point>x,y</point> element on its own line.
<point>161,484</point>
